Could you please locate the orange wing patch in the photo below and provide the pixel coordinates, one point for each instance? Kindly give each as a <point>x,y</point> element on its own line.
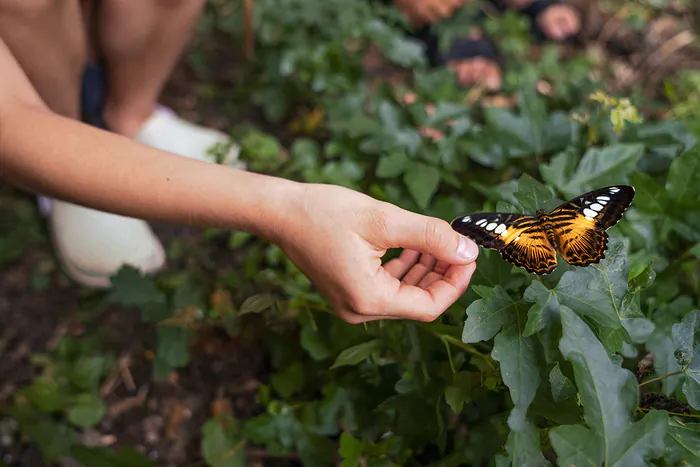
<point>529,248</point>
<point>579,242</point>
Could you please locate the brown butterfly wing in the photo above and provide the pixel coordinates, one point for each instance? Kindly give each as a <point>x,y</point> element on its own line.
<point>579,225</point>
<point>520,239</point>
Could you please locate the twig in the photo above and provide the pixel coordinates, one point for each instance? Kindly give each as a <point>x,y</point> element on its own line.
<point>661,377</point>
<point>677,414</point>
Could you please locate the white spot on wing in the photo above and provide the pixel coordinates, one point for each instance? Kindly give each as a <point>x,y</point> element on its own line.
<point>596,207</point>
<point>614,189</point>
<point>491,226</point>
<point>602,202</point>
<point>589,213</point>
<point>603,198</point>
<point>587,202</point>
<point>481,222</point>
<point>467,219</point>
<point>517,238</point>
<point>500,229</point>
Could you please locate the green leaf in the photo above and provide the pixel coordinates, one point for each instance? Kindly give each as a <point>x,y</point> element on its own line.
<point>288,381</point>
<point>602,167</point>
<point>45,394</point>
<point>519,369</point>
<point>598,290</point>
<point>106,457</point>
<point>609,395</point>
<point>532,195</point>
<point>460,392</point>
<point>661,345</point>
<point>350,450</point>
<point>560,168</point>
<point>422,182</point>
<point>683,443</point>
<point>545,309</point>
<point>392,165</point>
<point>54,439</point>
<point>562,387</point>
<point>86,411</point>
<point>577,445</point>
<point>355,354</point>
<point>256,304</point>
<point>130,288</point>
<point>688,349</point>
<point>172,349</point>
<point>523,443</point>
<point>486,316</point>
<point>683,181</point>
<point>222,442</point>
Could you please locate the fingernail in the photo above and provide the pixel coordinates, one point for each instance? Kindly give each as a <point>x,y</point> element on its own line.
<point>467,249</point>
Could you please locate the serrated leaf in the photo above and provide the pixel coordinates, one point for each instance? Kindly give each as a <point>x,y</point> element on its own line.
<point>355,354</point>
<point>86,410</point>
<point>486,316</point>
<point>688,348</point>
<point>130,288</point>
<point>422,181</point>
<point>609,395</point>
<point>600,167</point>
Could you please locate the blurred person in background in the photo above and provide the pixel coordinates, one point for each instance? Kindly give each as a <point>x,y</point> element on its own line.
<point>106,63</point>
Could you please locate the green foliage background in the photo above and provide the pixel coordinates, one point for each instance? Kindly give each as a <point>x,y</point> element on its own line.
<point>521,370</point>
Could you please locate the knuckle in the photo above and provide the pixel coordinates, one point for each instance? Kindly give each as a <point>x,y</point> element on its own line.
<point>379,222</point>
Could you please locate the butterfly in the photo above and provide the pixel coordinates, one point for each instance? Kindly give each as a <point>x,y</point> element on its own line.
<point>575,230</point>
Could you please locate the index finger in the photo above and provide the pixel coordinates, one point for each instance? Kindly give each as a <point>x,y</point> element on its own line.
<point>419,304</point>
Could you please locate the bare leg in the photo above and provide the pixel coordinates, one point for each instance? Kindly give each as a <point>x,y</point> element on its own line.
<point>47,37</point>
<point>140,42</point>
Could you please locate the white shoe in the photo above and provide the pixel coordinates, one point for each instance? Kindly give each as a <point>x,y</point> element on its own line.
<point>165,130</point>
<point>92,245</point>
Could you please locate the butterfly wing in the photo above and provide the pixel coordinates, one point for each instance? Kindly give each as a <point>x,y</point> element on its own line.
<point>519,238</point>
<point>579,225</point>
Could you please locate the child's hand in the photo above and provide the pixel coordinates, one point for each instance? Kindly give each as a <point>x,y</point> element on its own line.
<point>422,12</point>
<point>337,237</point>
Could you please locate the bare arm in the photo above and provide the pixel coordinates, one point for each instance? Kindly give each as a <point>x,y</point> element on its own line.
<point>336,236</point>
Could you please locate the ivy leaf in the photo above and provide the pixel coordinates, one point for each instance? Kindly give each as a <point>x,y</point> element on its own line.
<point>683,445</point>
<point>609,395</point>
<point>486,316</point>
<point>355,354</point>
<point>597,290</point>
<point>545,309</point>
<point>600,167</point>
<point>688,352</point>
<point>422,181</point>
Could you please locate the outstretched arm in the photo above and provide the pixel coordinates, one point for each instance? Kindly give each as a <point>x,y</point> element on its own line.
<point>336,236</point>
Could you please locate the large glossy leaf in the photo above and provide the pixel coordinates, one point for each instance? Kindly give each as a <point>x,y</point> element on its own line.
<point>683,443</point>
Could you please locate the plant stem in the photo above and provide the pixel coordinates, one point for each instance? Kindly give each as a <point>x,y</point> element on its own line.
<point>677,414</point>
<point>661,377</point>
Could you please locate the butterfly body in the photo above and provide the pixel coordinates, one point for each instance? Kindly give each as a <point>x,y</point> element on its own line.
<point>575,230</point>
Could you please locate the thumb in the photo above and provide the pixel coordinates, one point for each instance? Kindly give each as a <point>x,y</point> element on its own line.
<point>431,236</point>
